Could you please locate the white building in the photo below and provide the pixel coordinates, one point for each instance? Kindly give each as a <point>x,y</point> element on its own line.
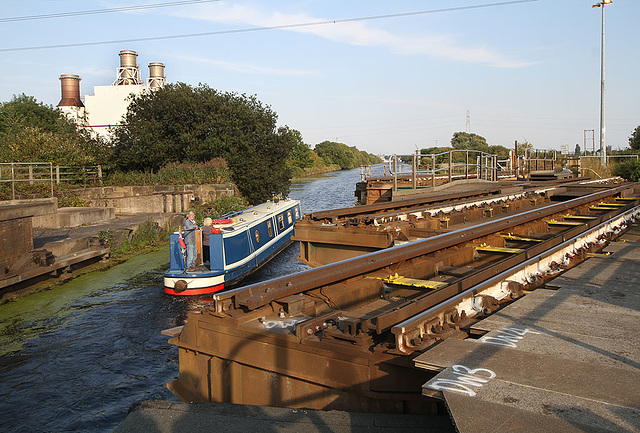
<point>104,111</point>
<point>108,105</point>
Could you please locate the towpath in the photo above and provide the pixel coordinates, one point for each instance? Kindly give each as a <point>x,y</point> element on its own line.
<point>44,236</point>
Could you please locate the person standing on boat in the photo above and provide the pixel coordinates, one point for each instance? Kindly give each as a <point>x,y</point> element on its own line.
<point>190,240</point>
<point>206,231</point>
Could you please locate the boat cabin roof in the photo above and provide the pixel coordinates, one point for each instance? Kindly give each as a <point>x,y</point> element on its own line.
<point>252,214</point>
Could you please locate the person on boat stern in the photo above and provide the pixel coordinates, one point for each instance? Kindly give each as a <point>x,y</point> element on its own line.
<point>206,231</point>
<point>190,240</point>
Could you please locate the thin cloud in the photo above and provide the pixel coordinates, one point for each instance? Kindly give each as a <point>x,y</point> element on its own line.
<point>353,33</point>
<point>246,68</point>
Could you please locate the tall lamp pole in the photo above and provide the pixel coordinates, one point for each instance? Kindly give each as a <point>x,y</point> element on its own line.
<point>603,126</point>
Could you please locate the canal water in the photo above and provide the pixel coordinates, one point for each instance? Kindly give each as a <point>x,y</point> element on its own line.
<point>75,358</point>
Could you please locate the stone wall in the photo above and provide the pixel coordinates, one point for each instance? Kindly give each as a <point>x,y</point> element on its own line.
<point>16,239</point>
<point>154,198</point>
<point>16,230</point>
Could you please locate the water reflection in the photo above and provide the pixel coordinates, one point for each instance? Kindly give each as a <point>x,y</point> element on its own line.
<point>75,358</point>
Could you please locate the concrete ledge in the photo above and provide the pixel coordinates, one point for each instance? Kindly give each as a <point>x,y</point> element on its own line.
<point>154,198</point>
<point>59,265</point>
<point>65,247</point>
<point>11,209</point>
<point>73,217</point>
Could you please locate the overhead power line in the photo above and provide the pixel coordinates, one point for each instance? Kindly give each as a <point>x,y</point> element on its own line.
<point>103,11</point>
<point>260,29</point>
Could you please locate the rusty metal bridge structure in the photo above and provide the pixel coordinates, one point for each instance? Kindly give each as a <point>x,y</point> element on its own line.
<point>389,282</point>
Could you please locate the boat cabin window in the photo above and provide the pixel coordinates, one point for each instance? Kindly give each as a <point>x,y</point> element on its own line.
<point>289,217</point>
<point>281,221</point>
<point>270,227</point>
<point>297,211</point>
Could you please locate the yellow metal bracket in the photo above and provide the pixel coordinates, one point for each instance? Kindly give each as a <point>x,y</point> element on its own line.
<point>484,248</point>
<point>613,205</point>
<point>578,217</point>
<point>512,237</point>
<point>411,282</point>
<point>563,223</point>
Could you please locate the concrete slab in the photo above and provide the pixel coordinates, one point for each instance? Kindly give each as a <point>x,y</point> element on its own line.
<point>169,417</point>
<point>73,217</point>
<point>10,209</point>
<point>548,322</point>
<point>520,409</point>
<point>488,386</point>
<point>533,370</point>
<point>41,237</point>
<point>556,360</point>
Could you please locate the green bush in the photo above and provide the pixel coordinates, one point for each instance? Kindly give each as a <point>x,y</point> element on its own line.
<point>147,235</point>
<point>31,131</point>
<point>344,156</point>
<point>174,173</point>
<point>629,170</point>
<point>182,123</point>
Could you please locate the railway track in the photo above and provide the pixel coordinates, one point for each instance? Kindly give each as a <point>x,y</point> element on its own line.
<point>329,236</point>
<point>343,335</point>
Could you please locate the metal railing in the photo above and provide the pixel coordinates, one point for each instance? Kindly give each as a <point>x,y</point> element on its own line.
<point>20,173</point>
<point>427,170</point>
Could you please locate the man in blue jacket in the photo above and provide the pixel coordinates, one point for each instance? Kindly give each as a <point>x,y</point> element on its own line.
<point>190,240</point>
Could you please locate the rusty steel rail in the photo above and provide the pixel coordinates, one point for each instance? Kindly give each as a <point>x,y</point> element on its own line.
<point>341,234</point>
<point>560,247</point>
<point>376,208</point>
<point>343,336</point>
<point>260,294</point>
<point>335,215</point>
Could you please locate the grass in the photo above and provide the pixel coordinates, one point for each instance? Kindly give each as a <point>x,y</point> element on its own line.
<point>148,235</point>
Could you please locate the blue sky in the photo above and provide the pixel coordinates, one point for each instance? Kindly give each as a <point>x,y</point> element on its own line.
<point>524,71</point>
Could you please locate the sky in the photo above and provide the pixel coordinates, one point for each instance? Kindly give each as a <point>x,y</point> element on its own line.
<point>386,77</point>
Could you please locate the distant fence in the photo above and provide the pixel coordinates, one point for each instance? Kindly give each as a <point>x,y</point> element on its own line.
<point>427,170</point>
<point>21,173</point>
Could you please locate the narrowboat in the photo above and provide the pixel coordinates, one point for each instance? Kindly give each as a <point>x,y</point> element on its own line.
<point>240,243</point>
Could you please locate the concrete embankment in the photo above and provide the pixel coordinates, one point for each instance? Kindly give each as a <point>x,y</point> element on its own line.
<point>43,241</point>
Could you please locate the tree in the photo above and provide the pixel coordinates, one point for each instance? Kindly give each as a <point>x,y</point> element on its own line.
<point>301,155</point>
<point>31,131</point>
<point>629,170</point>
<point>344,156</point>
<point>181,123</point>
<point>336,153</point>
<point>497,149</point>
<point>577,151</point>
<point>524,147</point>
<point>464,140</point>
<point>634,140</point>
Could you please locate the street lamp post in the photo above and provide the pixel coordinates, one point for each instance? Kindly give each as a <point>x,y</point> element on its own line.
<point>603,126</point>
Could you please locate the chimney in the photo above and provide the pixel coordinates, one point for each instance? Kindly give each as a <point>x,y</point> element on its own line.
<point>156,76</point>
<point>128,72</point>
<point>70,91</point>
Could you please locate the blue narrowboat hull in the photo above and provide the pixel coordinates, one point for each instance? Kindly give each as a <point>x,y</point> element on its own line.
<point>250,240</point>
